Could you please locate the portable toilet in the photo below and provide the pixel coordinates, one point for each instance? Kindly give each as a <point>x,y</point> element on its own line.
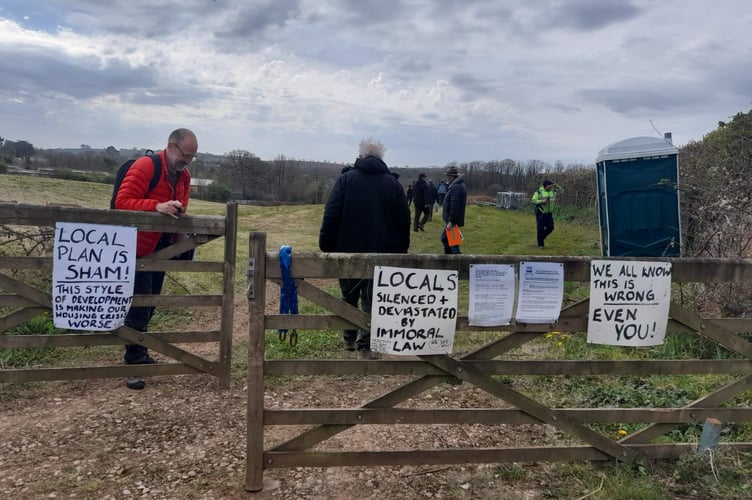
<point>638,197</point>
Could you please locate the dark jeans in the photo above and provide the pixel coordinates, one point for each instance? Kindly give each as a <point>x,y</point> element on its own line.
<point>354,291</point>
<point>138,318</point>
<point>445,242</point>
<point>145,282</point>
<point>545,226</point>
<point>425,212</point>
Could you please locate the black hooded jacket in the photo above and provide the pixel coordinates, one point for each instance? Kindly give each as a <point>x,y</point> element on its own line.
<point>455,201</point>
<point>366,212</point>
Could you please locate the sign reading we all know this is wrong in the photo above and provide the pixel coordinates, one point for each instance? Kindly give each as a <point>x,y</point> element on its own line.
<point>629,302</point>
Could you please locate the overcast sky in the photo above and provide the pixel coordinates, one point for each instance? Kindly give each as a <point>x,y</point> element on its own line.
<point>435,80</point>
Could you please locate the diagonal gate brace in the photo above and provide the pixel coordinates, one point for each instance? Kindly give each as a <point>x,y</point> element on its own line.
<point>146,340</point>
<point>547,415</point>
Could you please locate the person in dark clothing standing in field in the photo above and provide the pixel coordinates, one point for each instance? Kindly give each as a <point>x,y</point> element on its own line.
<point>367,212</point>
<point>454,207</point>
<point>419,200</point>
<point>430,199</point>
<point>410,193</point>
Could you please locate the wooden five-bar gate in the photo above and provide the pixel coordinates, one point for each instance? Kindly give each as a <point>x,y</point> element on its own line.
<point>21,301</point>
<point>480,367</point>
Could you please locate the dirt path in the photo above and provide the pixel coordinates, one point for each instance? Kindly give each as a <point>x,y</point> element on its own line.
<point>183,438</point>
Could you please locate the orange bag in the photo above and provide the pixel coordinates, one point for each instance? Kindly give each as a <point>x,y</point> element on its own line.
<point>454,236</point>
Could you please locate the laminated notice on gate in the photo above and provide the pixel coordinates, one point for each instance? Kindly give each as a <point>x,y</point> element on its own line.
<point>629,302</point>
<point>491,294</point>
<point>93,271</point>
<point>541,292</point>
<point>414,311</point>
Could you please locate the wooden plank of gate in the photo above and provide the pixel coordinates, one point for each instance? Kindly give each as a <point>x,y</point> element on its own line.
<point>31,293</point>
<point>21,316</point>
<point>338,306</point>
<point>547,415</point>
<point>711,330</point>
<point>152,342</point>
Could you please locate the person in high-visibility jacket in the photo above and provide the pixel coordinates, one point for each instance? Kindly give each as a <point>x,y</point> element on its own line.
<point>544,200</point>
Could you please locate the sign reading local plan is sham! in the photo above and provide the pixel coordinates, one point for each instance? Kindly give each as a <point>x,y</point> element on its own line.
<point>93,271</point>
<point>414,311</point>
<point>629,302</point>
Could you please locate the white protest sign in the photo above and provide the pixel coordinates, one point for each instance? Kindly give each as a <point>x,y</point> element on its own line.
<point>491,294</point>
<point>541,292</point>
<point>92,275</point>
<point>414,311</point>
<point>629,302</point>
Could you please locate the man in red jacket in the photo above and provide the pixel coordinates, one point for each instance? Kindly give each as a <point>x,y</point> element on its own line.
<point>168,197</point>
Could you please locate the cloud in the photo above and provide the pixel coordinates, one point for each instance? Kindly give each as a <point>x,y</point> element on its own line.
<point>436,80</point>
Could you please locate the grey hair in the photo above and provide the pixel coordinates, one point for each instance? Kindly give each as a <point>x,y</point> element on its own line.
<point>371,147</point>
<point>178,135</point>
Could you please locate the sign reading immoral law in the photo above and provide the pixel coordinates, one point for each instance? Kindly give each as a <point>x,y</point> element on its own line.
<point>414,311</point>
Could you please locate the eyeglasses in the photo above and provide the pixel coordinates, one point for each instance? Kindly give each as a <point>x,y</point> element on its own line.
<point>186,158</point>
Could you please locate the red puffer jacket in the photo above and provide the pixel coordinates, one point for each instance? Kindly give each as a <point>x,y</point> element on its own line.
<point>133,195</point>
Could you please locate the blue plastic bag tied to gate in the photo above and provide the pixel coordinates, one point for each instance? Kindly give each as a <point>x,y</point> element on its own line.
<point>288,294</point>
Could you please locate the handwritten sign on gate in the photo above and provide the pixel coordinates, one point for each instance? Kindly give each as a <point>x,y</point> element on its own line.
<point>92,275</point>
<point>629,302</point>
<point>414,311</point>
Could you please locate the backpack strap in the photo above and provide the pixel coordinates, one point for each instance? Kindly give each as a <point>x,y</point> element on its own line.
<point>156,160</point>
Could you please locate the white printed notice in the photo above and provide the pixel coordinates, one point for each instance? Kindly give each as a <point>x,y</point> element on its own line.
<point>541,292</point>
<point>92,275</point>
<point>414,311</point>
<point>629,302</point>
<point>491,294</point>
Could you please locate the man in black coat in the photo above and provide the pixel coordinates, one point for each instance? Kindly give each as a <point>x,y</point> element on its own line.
<point>367,212</point>
<point>454,207</point>
<point>419,199</point>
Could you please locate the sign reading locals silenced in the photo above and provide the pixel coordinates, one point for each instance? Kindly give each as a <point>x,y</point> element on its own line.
<point>93,272</point>
<point>414,311</point>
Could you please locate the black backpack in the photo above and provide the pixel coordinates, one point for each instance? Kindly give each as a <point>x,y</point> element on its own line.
<point>120,175</point>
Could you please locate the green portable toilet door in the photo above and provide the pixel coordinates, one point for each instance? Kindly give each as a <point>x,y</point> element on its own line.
<point>643,207</point>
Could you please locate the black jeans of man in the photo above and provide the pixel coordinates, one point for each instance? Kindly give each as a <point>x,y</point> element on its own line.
<point>545,226</point>
<point>416,217</point>
<point>146,282</point>
<point>422,215</point>
<point>138,318</point>
<point>354,291</point>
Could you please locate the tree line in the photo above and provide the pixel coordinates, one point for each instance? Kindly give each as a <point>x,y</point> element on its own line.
<point>242,175</point>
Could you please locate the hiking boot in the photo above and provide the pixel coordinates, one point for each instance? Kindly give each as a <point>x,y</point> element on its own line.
<point>368,354</point>
<point>138,383</point>
<point>135,383</point>
<point>349,344</point>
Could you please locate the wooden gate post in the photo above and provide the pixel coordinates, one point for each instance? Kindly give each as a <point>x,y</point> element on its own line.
<point>254,466</point>
<point>228,295</point>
